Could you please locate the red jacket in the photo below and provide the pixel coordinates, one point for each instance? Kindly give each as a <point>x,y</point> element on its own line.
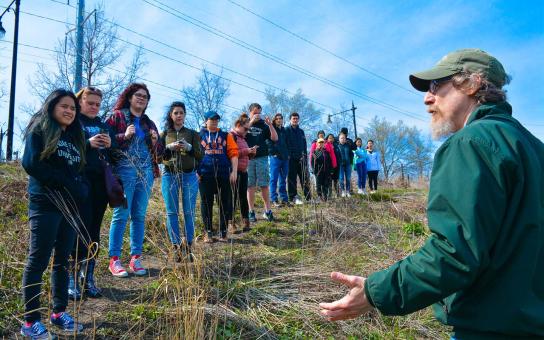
<point>329,148</point>
<point>243,151</point>
<point>118,122</point>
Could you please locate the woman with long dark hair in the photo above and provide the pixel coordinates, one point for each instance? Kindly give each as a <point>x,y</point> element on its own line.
<point>54,158</point>
<point>181,156</point>
<point>136,165</point>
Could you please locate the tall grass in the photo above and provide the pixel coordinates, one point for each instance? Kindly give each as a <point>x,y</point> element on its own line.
<point>265,284</point>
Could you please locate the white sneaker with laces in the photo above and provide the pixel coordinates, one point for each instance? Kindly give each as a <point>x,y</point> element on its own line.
<point>359,191</point>
<point>298,201</point>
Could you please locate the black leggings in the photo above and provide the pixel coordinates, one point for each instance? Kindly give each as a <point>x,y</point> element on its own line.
<point>92,213</point>
<point>322,183</point>
<point>209,187</point>
<point>240,194</point>
<point>373,179</point>
<point>48,230</point>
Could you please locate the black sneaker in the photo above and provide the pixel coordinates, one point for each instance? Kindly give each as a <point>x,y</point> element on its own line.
<point>252,217</point>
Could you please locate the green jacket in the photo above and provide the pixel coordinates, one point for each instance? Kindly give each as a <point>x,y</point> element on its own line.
<point>483,265</point>
<point>181,161</point>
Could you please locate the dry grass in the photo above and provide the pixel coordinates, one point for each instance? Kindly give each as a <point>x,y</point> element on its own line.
<point>265,284</point>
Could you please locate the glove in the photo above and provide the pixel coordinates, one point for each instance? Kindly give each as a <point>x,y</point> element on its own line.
<point>188,147</point>
<point>171,146</point>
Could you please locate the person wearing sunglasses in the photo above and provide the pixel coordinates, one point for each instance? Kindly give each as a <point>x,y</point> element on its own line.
<point>482,265</point>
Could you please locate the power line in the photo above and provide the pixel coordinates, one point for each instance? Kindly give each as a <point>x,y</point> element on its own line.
<point>226,36</point>
<point>187,53</point>
<point>322,48</point>
<point>353,92</point>
<point>172,89</point>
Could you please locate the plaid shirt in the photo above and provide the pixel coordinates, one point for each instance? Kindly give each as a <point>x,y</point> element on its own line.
<point>118,122</point>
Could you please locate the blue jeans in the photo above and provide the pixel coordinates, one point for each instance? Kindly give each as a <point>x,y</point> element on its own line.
<point>172,183</point>
<point>361,175</point>
<point>137,185</point>
<point>345,177</point>
<point>279,168</point>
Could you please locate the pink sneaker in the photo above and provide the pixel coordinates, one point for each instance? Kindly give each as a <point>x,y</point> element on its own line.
<point>116,268</point>
<point>136,265</point>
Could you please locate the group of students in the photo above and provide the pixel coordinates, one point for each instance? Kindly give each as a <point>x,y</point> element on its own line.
<point>67,147</point>
<point>332,164</point>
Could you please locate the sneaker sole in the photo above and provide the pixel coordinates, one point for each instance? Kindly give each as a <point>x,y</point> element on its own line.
<point>139,273</point>
<point>123,274</point>
<point>59,328</point>
<point>47,336</point>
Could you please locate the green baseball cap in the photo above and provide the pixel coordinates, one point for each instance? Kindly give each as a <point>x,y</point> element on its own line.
<point>469,59</point>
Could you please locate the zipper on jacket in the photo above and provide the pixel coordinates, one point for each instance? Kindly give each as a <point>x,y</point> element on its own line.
<point>444,306</point>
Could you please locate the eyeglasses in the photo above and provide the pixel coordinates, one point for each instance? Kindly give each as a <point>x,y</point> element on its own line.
<point>435,84</point>
<point>141,96</point>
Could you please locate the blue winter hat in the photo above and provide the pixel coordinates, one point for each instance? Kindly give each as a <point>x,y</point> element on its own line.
<point>212,115</point>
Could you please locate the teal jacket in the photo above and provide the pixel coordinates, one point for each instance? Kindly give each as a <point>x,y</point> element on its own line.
<point>483,265</point>
<point>360,156</point>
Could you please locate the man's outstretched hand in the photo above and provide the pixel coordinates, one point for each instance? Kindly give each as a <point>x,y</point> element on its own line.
<point>354,304</point>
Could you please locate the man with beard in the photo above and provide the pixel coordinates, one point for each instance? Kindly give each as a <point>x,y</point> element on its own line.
<point>482,266</point>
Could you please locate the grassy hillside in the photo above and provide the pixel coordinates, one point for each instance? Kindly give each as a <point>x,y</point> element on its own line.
<point>263,284</point>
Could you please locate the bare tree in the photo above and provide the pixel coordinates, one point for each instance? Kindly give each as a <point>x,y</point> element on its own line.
<point>311,118</point>
<point>102,63</point>
<point>2,134</point>
<point>3,90</point>
<point>400,147</point>
<point>209,93</point>
<point>420,159</point>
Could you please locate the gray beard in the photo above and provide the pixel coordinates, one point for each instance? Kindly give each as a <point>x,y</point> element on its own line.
<point>441,130</point>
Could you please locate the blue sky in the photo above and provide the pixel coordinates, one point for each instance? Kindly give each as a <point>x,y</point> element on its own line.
<point>389,38</point>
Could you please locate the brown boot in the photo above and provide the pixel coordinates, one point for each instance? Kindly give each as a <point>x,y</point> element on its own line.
<point>246,228</point>
<point>233,228</point>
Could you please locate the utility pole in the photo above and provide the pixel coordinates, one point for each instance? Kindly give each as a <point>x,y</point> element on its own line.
<point>353,108</point>
<point>79,45</point>
<point>11,116</point>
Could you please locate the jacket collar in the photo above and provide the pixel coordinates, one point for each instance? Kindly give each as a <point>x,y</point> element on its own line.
<point>487,109</point>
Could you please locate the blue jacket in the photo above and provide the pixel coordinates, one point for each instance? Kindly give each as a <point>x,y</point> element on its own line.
<point>374,161</point>
<point>296,142</point>
<point>215,162</point>
<point>361,156</point>
<point>346,155</point>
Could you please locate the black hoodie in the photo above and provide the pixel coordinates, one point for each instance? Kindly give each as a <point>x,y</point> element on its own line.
<point>59,172</point>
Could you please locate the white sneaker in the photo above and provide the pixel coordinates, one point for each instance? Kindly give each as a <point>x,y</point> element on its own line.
<point>364,192</point>
<point>343,194</point>
<point>348,194</point>
<point>298,201</point>
<point>359,191</point>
